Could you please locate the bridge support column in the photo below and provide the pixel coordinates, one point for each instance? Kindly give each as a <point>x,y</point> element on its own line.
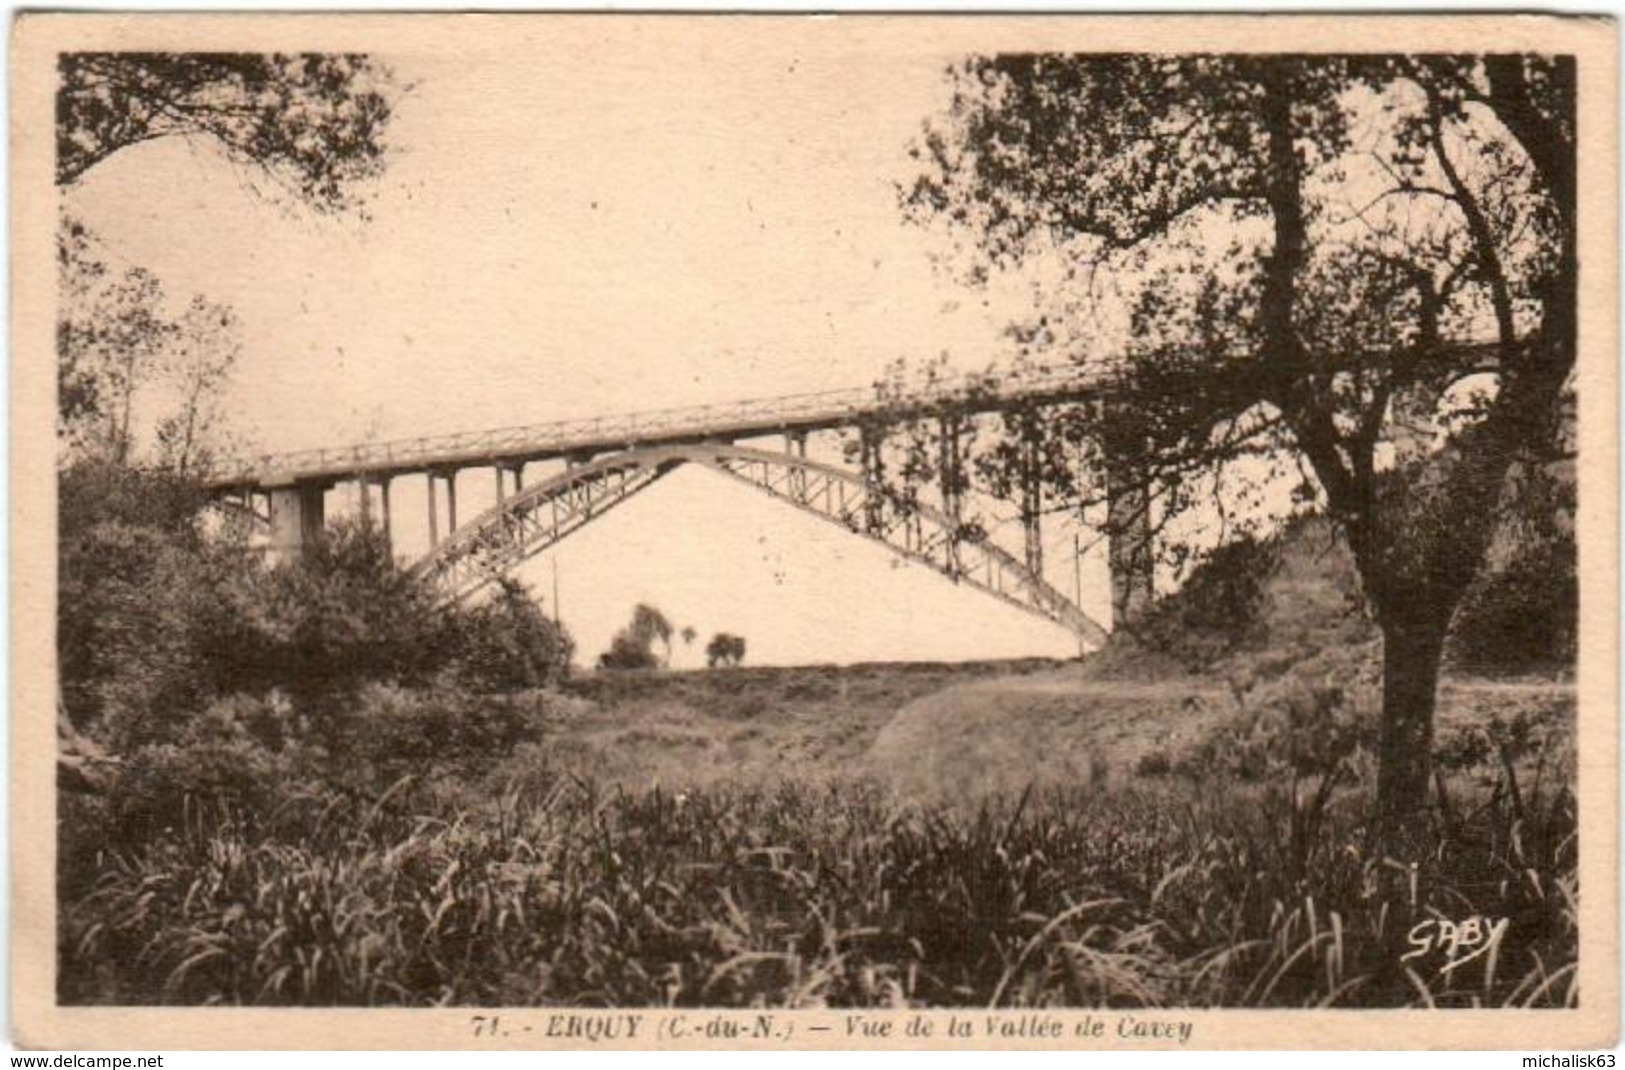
<point>1032,509</point>
<point>450,477</point>
<point>869,442</point>
<point>363,494</point>
<point>795,445</point>
<point>949,475</point>
<point>1128,527</point>
<point>383,502</point>
<point>517,471</point>
<point>434,518</point>
<point>297,519</point>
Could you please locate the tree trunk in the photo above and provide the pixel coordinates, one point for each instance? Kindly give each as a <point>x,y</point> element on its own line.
<point>1411,655</point>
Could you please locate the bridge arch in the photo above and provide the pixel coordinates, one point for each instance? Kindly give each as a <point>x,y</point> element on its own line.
<point>509,533</point>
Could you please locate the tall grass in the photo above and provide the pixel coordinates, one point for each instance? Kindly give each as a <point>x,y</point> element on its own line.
<point>537,888</point>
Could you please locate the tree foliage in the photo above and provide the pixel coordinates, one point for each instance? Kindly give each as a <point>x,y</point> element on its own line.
<point>508,643</point>
<point>633,646</point>
<point>1312,251</point>
<point>136,383</point>
<point>312,122</point>
<point>724,649</point>
<point>342,614</point>
<point>136,599</point>
<point>158,617</point>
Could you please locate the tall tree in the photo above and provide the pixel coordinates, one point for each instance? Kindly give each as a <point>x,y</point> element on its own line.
<point>312,123</point>
<point>119,349</point>
<point>1313,251</point>
<point>111,332</point>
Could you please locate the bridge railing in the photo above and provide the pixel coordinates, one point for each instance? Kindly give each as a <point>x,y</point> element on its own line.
<point>757,415</point>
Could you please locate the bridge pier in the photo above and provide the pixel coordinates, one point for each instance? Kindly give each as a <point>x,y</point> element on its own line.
<point>363,489</point>
<point>1032,507</point>
<point>869,443</point>
<point>363,497</point>
<point>949,476</point>
<point>449,475</point>
<point>434,519</point>
<point>297,519</point>
<point>383,502</point>
<point>795,445</point>
<point>517,471</point>
<point>1128,553</point>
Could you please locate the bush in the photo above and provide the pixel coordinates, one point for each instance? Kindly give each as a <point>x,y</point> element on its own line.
<point>1219,609</point>
<point>724,649</point>
<point>1523,612</point>
<point>138,599</point>
<point>390,732</point>
<point>509,644</point>
<point>157,621</point>
<point>343,615</point>
<point>1289,732</point>
<point>1154,764</point>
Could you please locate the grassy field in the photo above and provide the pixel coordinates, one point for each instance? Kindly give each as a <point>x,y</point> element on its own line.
<point>1138,829</point>
<point>819,837</point>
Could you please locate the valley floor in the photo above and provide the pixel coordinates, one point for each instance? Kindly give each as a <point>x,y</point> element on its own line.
<point>863,836</point>
<point>942,732</point>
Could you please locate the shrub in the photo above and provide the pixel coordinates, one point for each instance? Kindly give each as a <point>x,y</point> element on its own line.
<point>1219,607</point>
<point>1523,612</point>
<point>1288,733</point>
<point>390,732</point>
<point>633,646</point>
<point>724,649</point>
<point>1154,764</point>
<point>344,614</point>
<point>508,643</point>
<point>137,600</point>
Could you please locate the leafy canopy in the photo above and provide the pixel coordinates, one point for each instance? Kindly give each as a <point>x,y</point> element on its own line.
<point>313,122</point>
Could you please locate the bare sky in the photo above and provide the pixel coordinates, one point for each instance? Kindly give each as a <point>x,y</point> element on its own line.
<point>599,225</point>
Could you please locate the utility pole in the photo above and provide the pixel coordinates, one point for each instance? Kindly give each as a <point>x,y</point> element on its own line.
<point>1077,580</point>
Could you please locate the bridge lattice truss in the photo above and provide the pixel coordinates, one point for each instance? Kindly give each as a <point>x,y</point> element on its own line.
<point>610,459</point>
<point>492,544</point>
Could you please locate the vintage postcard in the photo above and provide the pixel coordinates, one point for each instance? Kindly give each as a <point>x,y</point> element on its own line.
<point>775,532</point>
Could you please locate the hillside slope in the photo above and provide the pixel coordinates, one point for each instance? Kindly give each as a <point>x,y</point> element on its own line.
<point>1268,640</point>
<point>1212,679</point>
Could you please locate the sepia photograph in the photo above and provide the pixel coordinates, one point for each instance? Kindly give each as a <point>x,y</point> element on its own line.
<point>1100,524</point>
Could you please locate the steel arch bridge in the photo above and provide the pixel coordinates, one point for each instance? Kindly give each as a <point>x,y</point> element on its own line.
<point>592,465</point>
<point>498,540</point>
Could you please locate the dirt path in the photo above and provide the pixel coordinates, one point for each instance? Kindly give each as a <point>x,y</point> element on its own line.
<point>1064,728</point>
<point>1047,729</point>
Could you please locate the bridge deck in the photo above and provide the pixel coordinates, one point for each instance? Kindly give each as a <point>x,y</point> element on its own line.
<point>730,421</point>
